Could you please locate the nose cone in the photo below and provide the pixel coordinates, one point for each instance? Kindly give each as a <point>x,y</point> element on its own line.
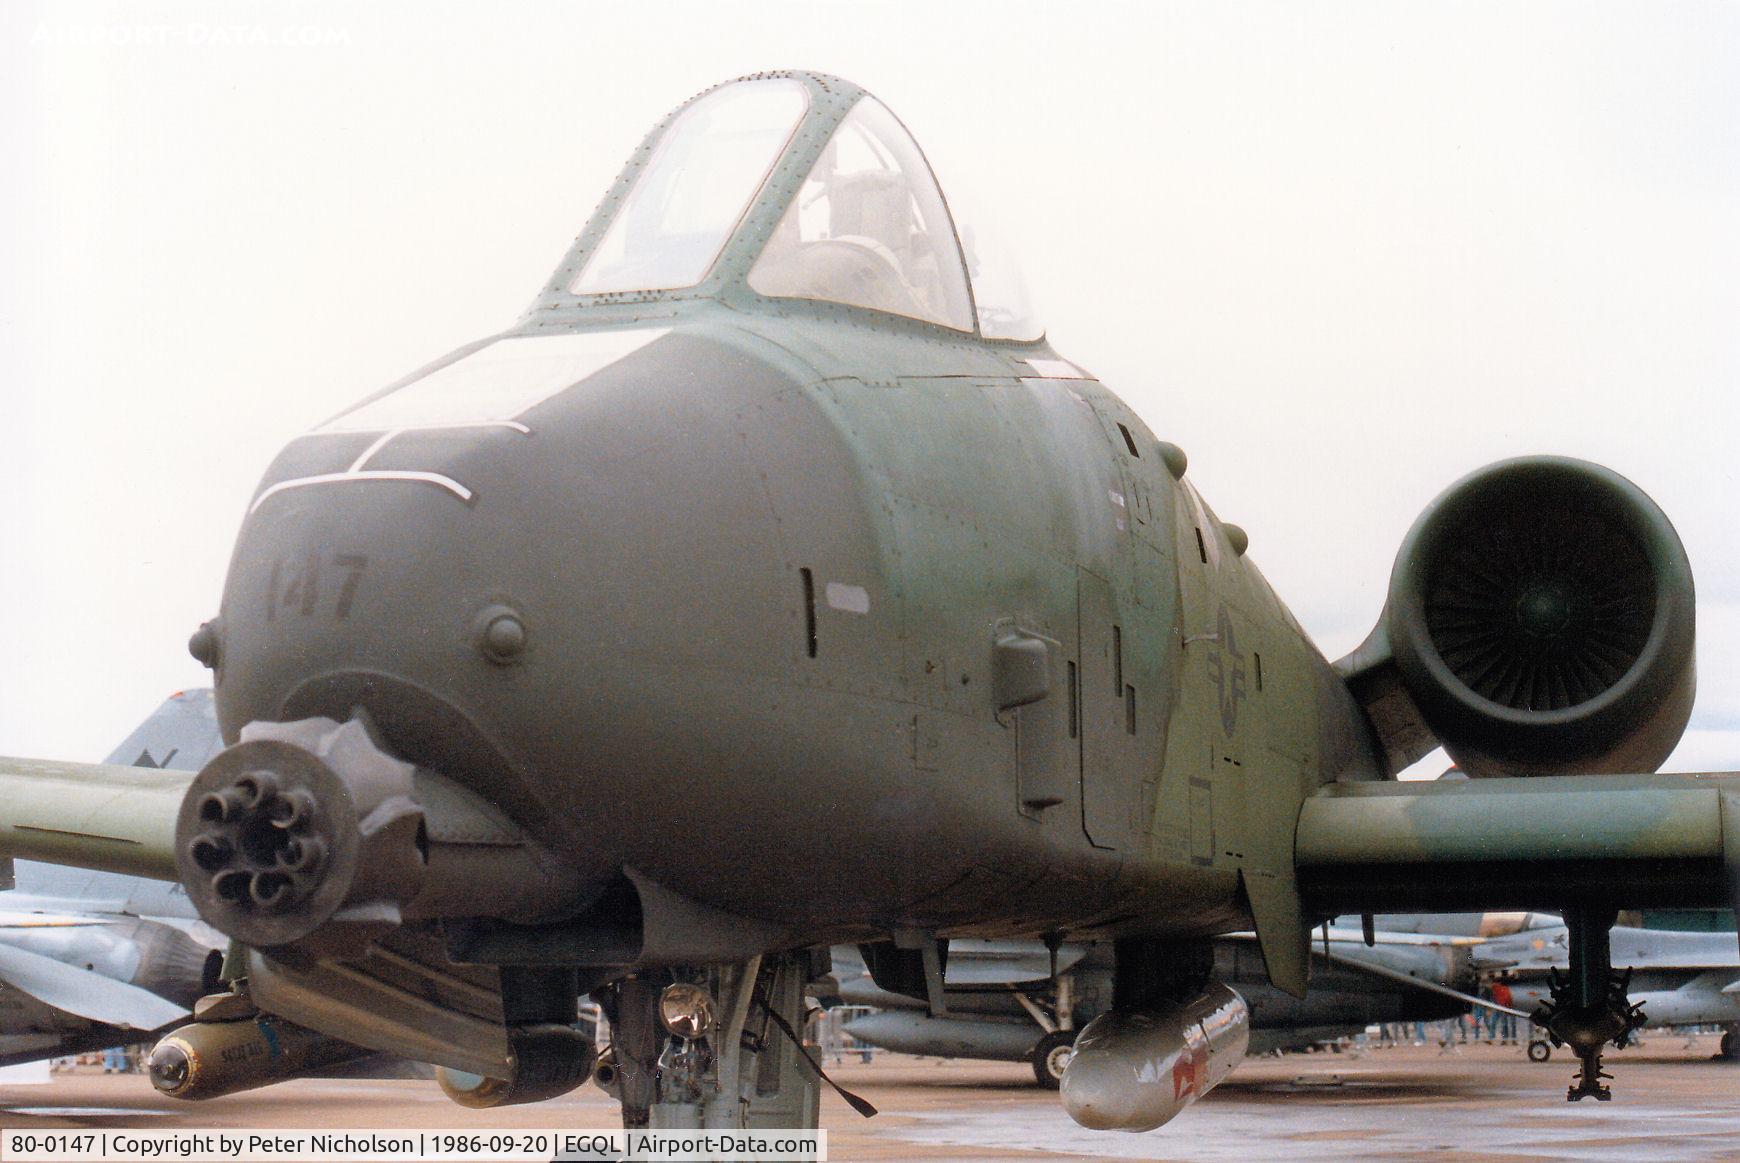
<point>586,618</point>
<point>1100,1091</point>
<point>1544,611</point>
<point>169,1067</point>
<point>503,547</point>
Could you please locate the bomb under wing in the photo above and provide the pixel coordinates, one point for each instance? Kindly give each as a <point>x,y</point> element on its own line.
<point>542,667</point>
<point>209,1059</point>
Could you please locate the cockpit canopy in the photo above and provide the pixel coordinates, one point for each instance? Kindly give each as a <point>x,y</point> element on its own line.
<point>710,162</point>
<point>869,228</point>
<point>798,187</point>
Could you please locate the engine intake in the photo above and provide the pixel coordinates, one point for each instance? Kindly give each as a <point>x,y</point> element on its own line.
<point>1541,619</point>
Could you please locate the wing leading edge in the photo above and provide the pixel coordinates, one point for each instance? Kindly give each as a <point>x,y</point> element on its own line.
<point>92,815</point>
<point>1560,842</point>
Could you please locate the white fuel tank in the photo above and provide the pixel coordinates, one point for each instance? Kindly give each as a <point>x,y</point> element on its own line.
<point>1134,1070</point>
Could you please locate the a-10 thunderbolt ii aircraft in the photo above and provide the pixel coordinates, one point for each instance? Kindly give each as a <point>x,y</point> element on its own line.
<point>92,959</point>
<point>774,584</point>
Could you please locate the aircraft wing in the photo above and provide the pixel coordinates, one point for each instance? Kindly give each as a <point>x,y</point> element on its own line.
<point>973,962</point>
<point>93,815</point>
<point>1547,842</point>
<point>72,947</point>
<point>1543,949</point>
<point>28,919</point>
<point>1396,957</point>
<point>1377,969</point>
<point>1383,936</point>
<point>86,993</point>
<point>181,734</point>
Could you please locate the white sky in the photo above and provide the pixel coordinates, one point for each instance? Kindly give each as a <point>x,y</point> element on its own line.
<point>1341,253</point>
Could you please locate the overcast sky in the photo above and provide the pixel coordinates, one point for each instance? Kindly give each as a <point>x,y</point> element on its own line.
<point>1341,253</point>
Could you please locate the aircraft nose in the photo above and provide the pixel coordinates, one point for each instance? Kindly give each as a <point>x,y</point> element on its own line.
<point>550,624</point>
<point>1100,1093</point>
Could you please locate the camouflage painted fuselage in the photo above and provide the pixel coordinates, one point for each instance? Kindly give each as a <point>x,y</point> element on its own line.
<point>763,563</point>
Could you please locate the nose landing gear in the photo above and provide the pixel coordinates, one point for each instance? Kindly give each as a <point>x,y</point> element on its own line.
<point>732,1063</point>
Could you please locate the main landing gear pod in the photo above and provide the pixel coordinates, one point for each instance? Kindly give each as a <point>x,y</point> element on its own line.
<point>549,1060</point>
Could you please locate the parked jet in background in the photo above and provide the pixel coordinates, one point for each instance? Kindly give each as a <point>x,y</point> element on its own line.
<point>1005,1004</point>
<point>1678,978</point>
<point>77,981</point>
<point>94,959</point>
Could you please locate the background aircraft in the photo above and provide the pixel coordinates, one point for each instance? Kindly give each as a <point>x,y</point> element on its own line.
<point>1679,978</point>
<point>92,959</point>
<point>1004,1003</point>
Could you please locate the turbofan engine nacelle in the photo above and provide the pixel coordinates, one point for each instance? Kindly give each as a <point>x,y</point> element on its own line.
<point>1134,1070</point>
<point>1540,616</point>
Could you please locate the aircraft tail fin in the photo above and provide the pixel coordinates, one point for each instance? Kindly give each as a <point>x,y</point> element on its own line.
<point>180,735</point>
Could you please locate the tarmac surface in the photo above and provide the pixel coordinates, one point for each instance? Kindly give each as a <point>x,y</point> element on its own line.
<point>1671,1102</point>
